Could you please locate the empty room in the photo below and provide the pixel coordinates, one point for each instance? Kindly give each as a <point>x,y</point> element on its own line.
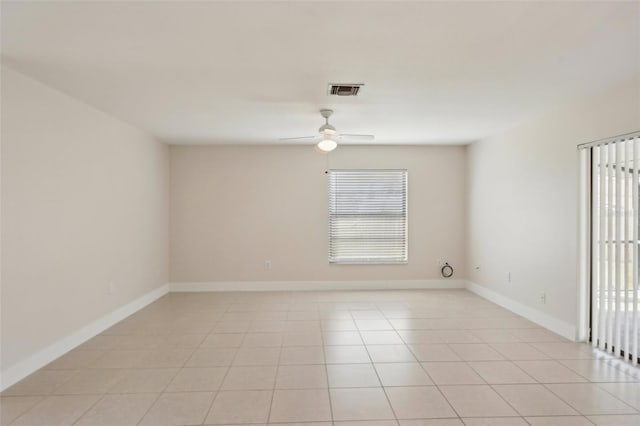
<point>320,213</point>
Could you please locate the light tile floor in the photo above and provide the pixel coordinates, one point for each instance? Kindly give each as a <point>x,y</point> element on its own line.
<point>340,358</point>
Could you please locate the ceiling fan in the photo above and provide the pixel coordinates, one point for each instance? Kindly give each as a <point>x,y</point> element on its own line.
<point>328,137</point>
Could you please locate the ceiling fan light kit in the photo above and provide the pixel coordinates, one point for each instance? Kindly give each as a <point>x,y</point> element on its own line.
<point>327,145</point>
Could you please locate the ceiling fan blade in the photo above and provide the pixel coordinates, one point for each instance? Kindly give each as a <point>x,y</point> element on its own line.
<point>359,138</point>
<point>298,138</point>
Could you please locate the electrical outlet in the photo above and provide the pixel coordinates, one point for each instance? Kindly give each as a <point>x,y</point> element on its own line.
<point>543,298</point>
<point>267,265</point>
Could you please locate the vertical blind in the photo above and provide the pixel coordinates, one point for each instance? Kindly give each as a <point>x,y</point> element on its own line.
<point>615,232</point>
<point>368,216</point>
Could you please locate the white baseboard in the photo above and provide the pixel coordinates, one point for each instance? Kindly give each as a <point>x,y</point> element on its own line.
<point>316,285</point>
<point>43,357</point>
<point>557,326</point>
<point>562,328</point>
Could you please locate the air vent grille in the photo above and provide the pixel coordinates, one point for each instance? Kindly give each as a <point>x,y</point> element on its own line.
<point>344,89</point>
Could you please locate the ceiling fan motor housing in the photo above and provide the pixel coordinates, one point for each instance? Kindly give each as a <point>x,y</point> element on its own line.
<point>326,128</point>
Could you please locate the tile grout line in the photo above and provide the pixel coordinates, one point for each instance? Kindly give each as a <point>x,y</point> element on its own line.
<point>275,380</point>
<point>326,373</point>
<point>215,396</point>
<point>546,386</point>
<point>420,363</point>
<point>393,411</point>
<point>173,378</point>
<point>52,394</point>
<point>157,396</point>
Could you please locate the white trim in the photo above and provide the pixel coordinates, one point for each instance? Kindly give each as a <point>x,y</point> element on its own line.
<point>584,244</point>
<point>44,356</point>
<point>316,285</point>
<point>543,319</point>
<point>38,360</point>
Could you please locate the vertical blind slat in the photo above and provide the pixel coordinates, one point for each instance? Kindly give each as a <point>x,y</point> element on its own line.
<point>617,211</point>
<point>604,157</point>
<point>627,237</point>
<point>595,246</point>
<point>611,246</point>
<point>634,238</point>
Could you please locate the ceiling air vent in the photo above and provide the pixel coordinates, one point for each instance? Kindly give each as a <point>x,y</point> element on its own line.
<point>344,89</point>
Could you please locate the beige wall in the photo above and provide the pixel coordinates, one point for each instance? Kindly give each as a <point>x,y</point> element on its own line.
<point>87,201</point>
<point>84,203</point>
<point>233,208</point>
<point>523,197</point>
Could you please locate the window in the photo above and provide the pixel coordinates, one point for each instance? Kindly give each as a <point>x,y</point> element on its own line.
<point>368,216</point>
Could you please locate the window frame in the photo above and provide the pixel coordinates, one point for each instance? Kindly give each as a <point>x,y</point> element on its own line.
<point>369,260</point>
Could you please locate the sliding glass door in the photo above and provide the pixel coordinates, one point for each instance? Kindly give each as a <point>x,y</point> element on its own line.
<point>614,250</point>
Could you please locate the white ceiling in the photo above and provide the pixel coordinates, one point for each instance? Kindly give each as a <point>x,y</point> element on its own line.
<point>253,72</point>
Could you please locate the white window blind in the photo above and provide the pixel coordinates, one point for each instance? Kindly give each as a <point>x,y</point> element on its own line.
<point>615,235</point>
<point>368,216</point>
